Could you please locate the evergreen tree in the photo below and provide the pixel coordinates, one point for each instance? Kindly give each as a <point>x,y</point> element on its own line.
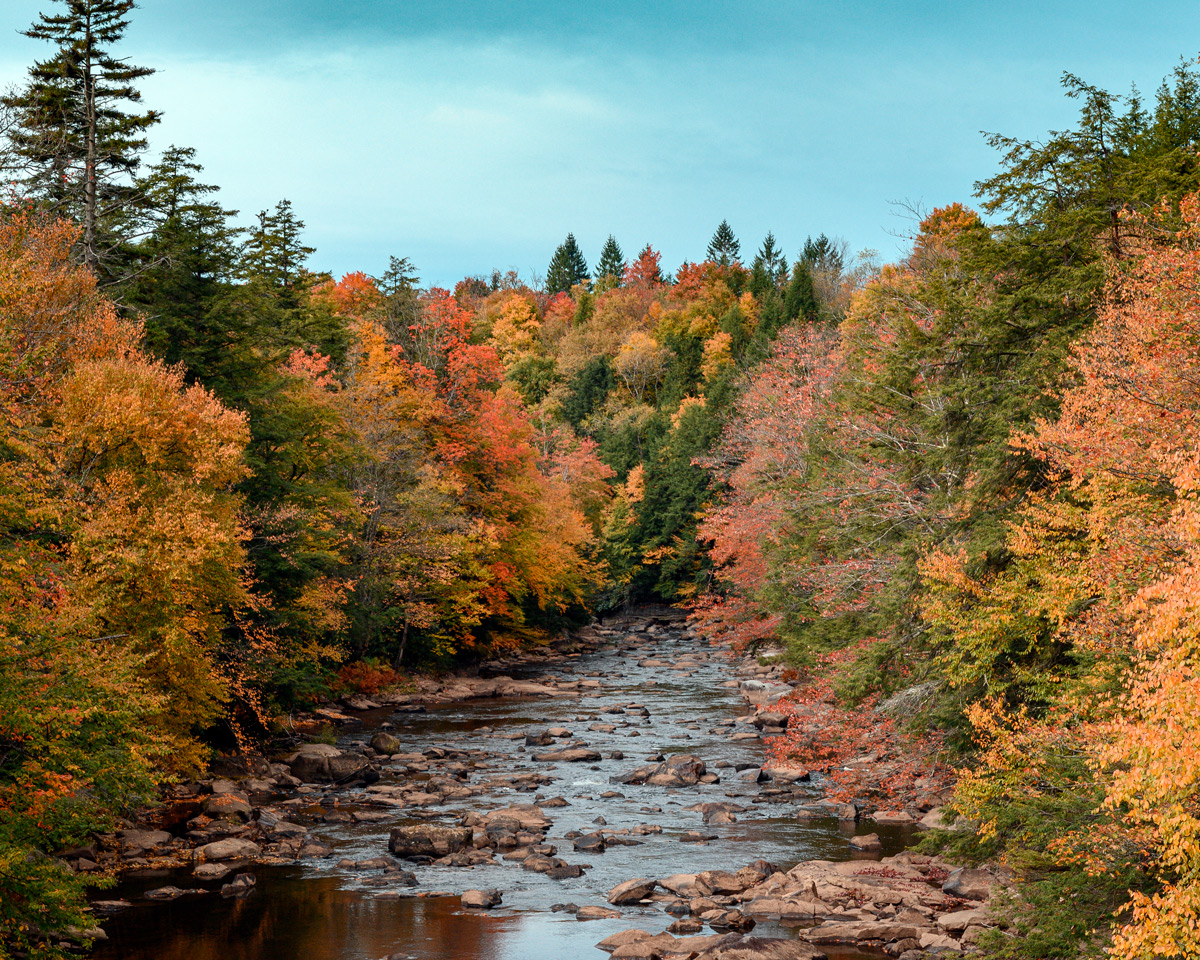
<point>274,252</point>
<point>612,263</point>
<point>724,248</point>
<point>184,271</point>
<point>567,267</point>
<point>823,254</point>
<point>800,298</point>
<point>76,146</point>
<point>402,304</point>
<point>769,268</point>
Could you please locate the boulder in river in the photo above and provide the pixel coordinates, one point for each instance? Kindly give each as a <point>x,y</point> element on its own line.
<point>322,762</point>
<point>568,755</point>
<point>229,849</point>
<point>428,840</point>
<point>385,743</point>
<point>681,770</point>
<point>631,891</point>
<point>527,816</point>
<point>590,843</point>
<point>481,899</point>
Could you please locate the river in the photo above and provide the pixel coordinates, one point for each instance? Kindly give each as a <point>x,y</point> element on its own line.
<point>318,910</point>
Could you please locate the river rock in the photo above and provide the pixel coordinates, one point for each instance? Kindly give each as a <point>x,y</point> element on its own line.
<point>385,743</point>
<point>240,886</point>
<point>680,884</point>
<point>228,807</point>
<point>527,816</point>
<point>106,908</point>
<point>568,755</point>
<point>322,762</point>
<point>681,770</point>
<point>167,893</point>
<point>590,843</point>
<point>138,841</point>
<point>428,840</point>
<point>770,718</point>
<point>969,884</point>
<point>892,817</point>
<point>720,882</point>
<point>230,849</point>
<point>959,920</point>
<point>631,891</point>
<point>868,842</point>
<point>596,913</point>
<point>481,899</point>
<point>609,944</point>
<point>735,947</point>
<point>212,871</point>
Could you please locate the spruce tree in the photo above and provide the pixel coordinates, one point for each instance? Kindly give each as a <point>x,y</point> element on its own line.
<point>724,248</point>
<point>769,269</point>
<point>567,267</point>
<point>800,299</point>
<point>75,142</point>
<point>612,263</point>
<point>184,271</point>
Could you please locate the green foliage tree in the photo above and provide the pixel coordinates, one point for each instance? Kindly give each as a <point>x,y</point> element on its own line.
<point>567,267</point>
<point>185,268</point>
<point>724,248</point>
<point>610,270</point>
<point>769,268</point>
<point>76,143</point>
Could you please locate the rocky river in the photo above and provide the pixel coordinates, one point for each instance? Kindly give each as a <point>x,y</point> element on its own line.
<point>612,792</point>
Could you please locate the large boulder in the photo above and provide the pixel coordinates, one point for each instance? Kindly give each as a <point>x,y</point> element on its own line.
<point>481,899</point>
<point>228,806</point>
<point>568,755</point>
<point>527,816</point>
<point>682,770</point>
<point>230,849</point>
<point>324,763</point>
<point>631,891</point>
<point>969,884</point>
<point>383,742</point>
<point>428,840</point>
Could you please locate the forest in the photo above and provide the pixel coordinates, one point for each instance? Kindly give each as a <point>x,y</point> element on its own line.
<point>968,482</point>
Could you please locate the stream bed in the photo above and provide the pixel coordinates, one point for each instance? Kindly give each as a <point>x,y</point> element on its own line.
<point>318,909</point>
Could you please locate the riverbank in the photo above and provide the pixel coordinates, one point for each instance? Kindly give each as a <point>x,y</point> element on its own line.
<point>496,783</point>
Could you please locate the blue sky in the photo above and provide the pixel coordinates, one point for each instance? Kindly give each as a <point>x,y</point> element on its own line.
<point>472,135</point>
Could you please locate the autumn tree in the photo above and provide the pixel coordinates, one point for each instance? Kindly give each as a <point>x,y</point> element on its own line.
<point>122,560</point>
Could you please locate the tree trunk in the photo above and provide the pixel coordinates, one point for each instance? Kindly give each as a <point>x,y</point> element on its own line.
<point>403,644</point>
<point>89,173</point>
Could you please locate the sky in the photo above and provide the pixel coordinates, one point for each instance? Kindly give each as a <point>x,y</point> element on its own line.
<point>468,135</point>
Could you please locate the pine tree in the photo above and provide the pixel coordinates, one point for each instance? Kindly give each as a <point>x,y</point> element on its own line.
<point>724,248</point>
<point>612,263</point>
<point>184,269</point>
<point>274,252</point>
<point>76,146</point>
<point>567,267</point>
<point>769,269</point>
<point>800,297</point>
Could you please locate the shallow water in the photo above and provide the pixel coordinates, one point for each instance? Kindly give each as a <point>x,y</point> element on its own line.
<point>319,911</point>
